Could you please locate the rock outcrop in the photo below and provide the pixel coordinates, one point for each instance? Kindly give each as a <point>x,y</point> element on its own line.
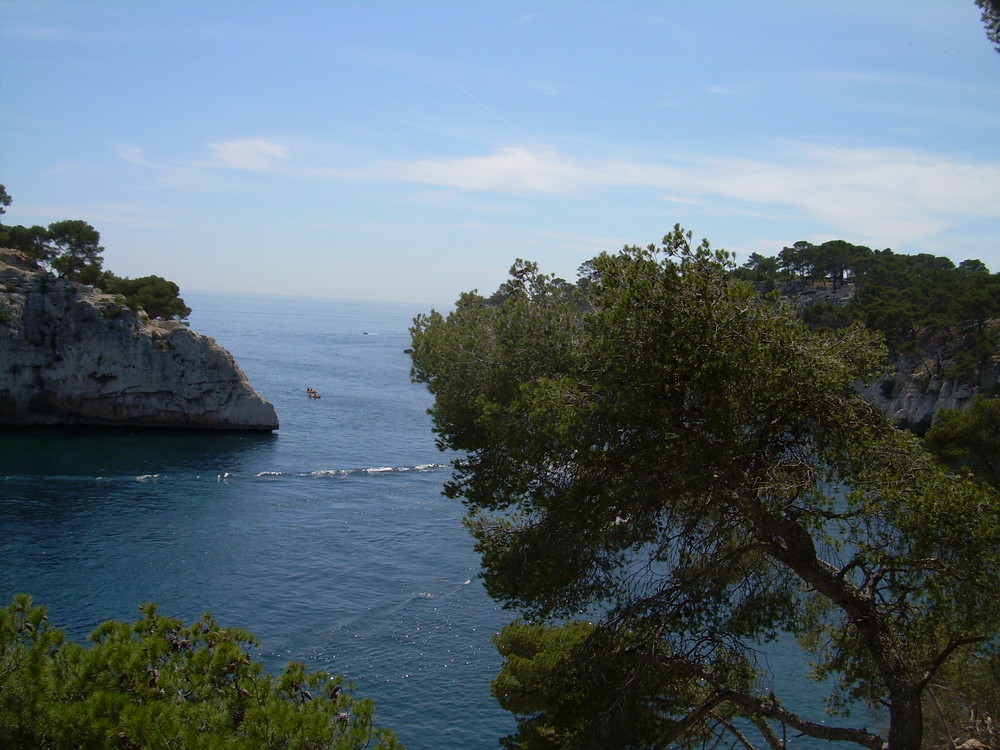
<point>803,294</point>
<point>70,354</point>
<point>917,387</point>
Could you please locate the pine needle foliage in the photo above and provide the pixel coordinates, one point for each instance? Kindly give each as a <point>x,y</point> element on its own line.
<point>158,683</point>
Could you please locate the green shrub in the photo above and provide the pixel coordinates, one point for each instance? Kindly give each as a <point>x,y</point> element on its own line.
<point>158,683</point>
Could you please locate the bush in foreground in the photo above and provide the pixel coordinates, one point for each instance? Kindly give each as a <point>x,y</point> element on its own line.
<point>160,683</point>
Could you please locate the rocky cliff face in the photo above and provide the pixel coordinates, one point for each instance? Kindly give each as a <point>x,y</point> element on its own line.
<point>917,387</point>
<point>72,355</point>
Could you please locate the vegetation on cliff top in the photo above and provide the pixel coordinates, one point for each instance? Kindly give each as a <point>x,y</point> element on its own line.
<point>72,249</point>
<point>914,300</point>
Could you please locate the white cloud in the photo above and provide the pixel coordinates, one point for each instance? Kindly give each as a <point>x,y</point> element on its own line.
<point>511,170</point>
<point>253,154</point>
<point>66,166</point>
<point>870,191</point>
<point>873,192</point>
<point>133,155</point>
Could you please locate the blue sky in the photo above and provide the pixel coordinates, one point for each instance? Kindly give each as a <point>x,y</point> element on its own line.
<point>413,150</point>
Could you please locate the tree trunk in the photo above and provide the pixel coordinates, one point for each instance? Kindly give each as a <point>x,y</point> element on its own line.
<point>906,721</point>
<point>791,544</point>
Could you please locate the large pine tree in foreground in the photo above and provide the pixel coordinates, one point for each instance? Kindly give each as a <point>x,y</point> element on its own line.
<point>663,472</point>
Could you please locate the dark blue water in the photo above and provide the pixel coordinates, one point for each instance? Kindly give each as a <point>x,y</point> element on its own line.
<point>329,540</point>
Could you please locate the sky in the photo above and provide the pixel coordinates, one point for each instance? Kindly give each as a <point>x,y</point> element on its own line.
<point>411,151</point>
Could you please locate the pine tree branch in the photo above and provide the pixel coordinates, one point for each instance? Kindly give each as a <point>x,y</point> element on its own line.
<point>947,651</point>
<point>754,705</point>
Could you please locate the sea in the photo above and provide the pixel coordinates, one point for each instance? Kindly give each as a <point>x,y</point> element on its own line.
<point>329,539</point>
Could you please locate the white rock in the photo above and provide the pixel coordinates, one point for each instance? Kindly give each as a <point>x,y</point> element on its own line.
<point>72,355</point>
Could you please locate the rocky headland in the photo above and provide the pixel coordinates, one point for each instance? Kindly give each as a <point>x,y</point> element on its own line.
<point>71,355</point>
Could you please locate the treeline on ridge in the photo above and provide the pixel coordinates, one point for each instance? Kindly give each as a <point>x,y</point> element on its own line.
<point>915,301</point>
<point>72,249</point>
<point>912,299</point>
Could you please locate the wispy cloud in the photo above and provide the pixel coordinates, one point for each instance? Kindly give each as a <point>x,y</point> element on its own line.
<point>514,169</point>
<point>65,166</point>
<point>486,107</point>
<point>67,29</point>
<point>445,72</point>
<point>133,155</point>
<point>42,32</point>
<point>895,79</point>
<point>220,163</point>
<point>253,154</point>
<point>880,78</point>
<point>103,214</point>
<point>869,191</point>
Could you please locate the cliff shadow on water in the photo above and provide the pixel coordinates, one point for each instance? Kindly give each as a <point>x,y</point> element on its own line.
<point>86,451</point>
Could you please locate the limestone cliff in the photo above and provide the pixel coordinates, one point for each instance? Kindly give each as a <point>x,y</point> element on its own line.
<point>915,386</point>
<point>918,386</point>
<point>72,355</point>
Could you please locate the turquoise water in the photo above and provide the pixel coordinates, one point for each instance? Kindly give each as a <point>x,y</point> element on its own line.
<point>329,540</point>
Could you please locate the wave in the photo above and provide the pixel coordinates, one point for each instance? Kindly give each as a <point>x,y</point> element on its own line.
<point>389,615</point>
<point>365,471</point>
<point>225,476</point>
<point>318,473</point>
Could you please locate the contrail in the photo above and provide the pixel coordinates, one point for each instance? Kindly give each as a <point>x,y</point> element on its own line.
<point>487,108</point>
